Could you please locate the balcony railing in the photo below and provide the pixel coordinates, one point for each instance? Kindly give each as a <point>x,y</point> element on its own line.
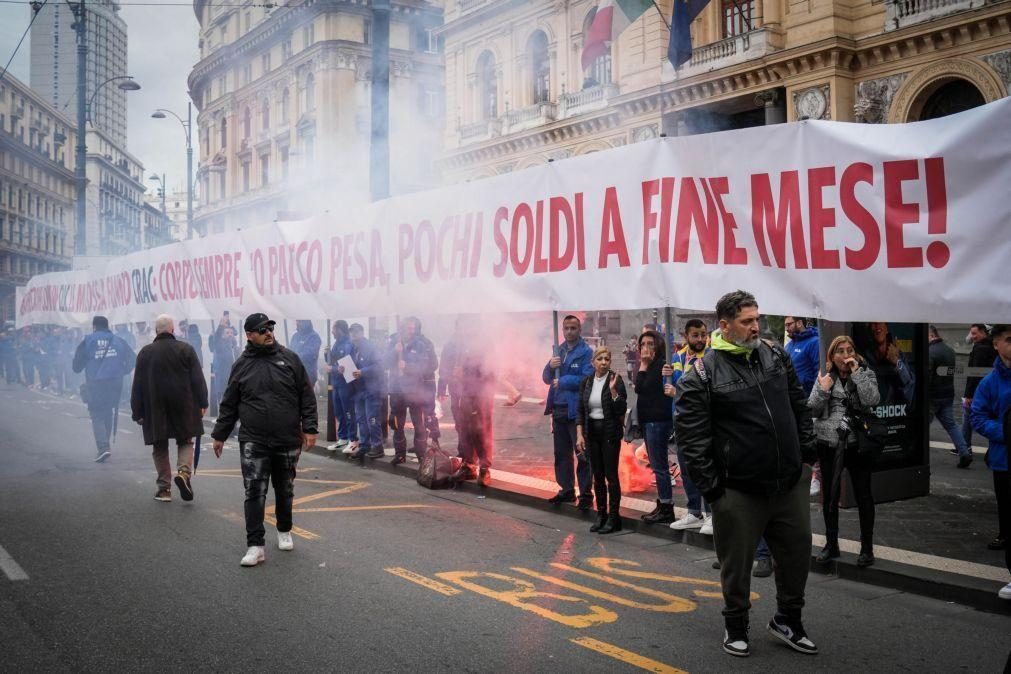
<point>902,13</point>
<point>530,116</point>
<point>727,52</point>
<point>592,98</point>
<point>478,131</point>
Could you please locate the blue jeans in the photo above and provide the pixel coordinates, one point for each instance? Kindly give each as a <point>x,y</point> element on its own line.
<point>941,408</point>
<point>367,408</point>
<point>966,426</point>
<point>762,552</point>
<point>564,432</point>
<point>344,413</point>
<point>691,491</point>
<point>656,434</point>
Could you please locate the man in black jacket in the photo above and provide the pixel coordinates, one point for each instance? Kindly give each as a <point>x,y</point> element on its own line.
<point>982,356</point>
<point>748,440</point>
<point>941,375</point>
<point>271,396</point>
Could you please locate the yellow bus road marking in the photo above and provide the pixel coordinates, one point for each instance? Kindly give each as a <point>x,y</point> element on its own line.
<point>339,509</point>
<point>669,604</point>
<point>229,472</point>
<point>297,531</point>
<point>628,657</point>
<point>431,584</point>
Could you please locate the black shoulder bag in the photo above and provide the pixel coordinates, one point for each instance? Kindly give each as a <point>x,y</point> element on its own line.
<point>871,433</point>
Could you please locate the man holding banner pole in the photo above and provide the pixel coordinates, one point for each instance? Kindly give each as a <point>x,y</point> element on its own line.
<point>564,373</point>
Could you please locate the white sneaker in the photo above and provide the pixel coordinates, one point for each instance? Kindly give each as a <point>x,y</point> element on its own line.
<point>332,448</point>
<point>254,555</point>
<point>707,526</point>
<point>689,521</point>
<point>1005,592</point>
<point>284,541</point>
<point>351,448</point>
<point>815,486</point>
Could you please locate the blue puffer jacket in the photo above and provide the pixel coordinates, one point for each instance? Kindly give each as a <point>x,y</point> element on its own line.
<point>803,350</point>
<point>576,366</point>
<point>989,405</point>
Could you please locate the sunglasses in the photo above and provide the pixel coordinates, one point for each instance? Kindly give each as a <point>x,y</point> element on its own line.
<point>265,330</point>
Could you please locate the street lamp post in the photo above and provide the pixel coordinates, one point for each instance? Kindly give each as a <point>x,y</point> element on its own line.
<point>160,179</point>
<point>160,113</point>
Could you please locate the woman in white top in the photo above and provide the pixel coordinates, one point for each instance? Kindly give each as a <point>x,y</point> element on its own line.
<point>599,427</point>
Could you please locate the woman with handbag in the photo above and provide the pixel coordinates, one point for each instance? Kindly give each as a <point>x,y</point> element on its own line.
<point>599,429</point>
<point>841,395</point>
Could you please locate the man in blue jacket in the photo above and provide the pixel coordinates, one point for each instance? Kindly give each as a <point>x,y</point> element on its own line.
<point>306,343</point>
<point>367,392</point>
<point>412,364</point>
<point>105,360</point>
<point>343,405</point>
<point>990,406</point>
<point>573,363</point>
<point>803,350</point>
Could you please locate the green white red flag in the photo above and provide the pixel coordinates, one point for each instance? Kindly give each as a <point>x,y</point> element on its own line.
<point>612,17</point>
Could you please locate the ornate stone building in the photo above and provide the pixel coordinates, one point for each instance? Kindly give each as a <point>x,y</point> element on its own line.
<point>284,105</point>
<point>115,198</point>
<point>36,189</point>
<point>517,95</point>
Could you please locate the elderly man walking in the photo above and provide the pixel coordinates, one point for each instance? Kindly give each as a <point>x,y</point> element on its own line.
<point>270,394</point>
<point>168,400</point>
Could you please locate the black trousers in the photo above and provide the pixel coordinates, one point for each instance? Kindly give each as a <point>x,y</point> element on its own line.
<point>1002,490</point>
<point>260,466</point>
<point>475,424</point>
<point>603,453</point>
<point>831,485</point>
<point>417,406</point>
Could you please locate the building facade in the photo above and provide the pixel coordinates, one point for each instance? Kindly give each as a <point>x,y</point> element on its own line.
<point>115,198</point>
<point>174,206</point>
<point>36,189</point>
<point>156,228</point>
<point>517,95</point>
<point>284,101</point>
<point>54,62</point>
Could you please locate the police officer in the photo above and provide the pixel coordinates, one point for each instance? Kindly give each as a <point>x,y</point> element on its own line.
<point>105,360</point>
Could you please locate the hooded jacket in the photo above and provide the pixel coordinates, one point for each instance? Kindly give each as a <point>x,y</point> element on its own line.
<point>745,426</point>
<point>270,395</point>
<point>306,343</point>
<point>420,363</point>
<point>803,350</point>
<point>990,406</point>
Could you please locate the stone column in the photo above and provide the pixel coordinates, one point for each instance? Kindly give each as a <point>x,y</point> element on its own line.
<point>775,106</point>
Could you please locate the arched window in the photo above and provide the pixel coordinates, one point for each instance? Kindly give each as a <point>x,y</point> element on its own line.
<point>247,122</point>
<point>285,106</point>
<point>224,133</point>
<point>599,71</point>
<point>487,86</point>
<point>310,93</point>
<point>265,115</point>
<point>540,65</point>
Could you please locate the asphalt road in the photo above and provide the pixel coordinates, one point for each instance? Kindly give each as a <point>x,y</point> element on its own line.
<point>386,576</point>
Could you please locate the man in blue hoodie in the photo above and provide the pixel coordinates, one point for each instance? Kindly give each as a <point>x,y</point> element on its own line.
<point>105,360</point>
<point>343,405</point>
<point>803,350</point>
<point>990,406</point>
<point>306,343</point>
<point>367,391</point>
<point>572,364</point>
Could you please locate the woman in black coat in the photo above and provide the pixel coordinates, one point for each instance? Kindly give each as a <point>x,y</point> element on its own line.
<point>168,400</point>
<point>600,424</point>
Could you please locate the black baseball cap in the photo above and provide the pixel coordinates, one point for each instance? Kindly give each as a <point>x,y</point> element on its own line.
<point>256,321</point>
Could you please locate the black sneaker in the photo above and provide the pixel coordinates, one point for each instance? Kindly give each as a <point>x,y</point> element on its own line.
<point>398,459</point>
<point>735,641</point>
<point>585,504</point>
<point>185,489</point>
<point>763,568</point>
<point>792,633</point>
<point>562,498</point>
<point>953,451</point>
<point>102,456</point>
<point>377,453</point>
<point>964,461</point>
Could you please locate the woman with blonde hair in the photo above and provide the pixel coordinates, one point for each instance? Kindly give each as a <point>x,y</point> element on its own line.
<point>600,424</point>
<point>847,385</point>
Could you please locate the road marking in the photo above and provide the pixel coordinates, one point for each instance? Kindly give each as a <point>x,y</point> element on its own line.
<point>424,581</point>
<point>628,657</point>
<point>937,444</point>
<point>11,568</point>
<point>338,509</point>
<point>671,604</point>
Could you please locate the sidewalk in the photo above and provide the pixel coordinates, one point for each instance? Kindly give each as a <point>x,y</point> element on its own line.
<point>933,545</point>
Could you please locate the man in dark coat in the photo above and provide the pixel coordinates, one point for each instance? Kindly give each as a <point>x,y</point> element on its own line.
<point>168,400</point>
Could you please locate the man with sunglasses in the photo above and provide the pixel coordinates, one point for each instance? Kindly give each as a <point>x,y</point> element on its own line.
<point>271,396</point>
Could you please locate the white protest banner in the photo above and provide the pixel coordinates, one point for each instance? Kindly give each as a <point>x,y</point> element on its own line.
<point>904,223</point>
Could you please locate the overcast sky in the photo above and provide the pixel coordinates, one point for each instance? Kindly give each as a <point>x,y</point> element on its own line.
<point>162,50</point>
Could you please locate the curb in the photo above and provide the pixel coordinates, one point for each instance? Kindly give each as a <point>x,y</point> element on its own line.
<point>946,586</point>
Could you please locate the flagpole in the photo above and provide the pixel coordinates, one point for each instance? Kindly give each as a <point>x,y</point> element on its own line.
<point>662,18</point>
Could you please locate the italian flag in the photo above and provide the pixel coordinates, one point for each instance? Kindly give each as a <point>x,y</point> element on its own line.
<point>612,17</point>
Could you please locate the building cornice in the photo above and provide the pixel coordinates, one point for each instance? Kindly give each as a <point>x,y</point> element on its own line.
<point>40,160</point>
